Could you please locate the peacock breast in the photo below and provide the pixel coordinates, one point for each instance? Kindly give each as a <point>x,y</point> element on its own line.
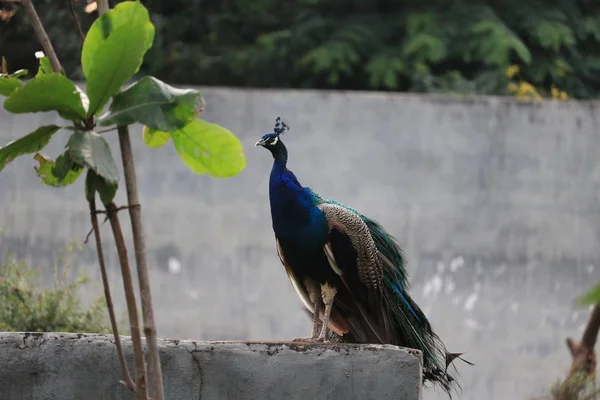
<point>308,232</point>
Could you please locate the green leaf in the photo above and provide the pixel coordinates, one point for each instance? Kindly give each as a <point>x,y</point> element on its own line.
<point>61,173</point>
<point>155,104</point>
<point>209,148</point>
<point>426,47</point>
<point>554,35</point>
<point>8,84</point>
<point>384,70</point>
<point>494,42</point>
<point>591,297</point>
<point>91,150</point>
<point>95,183</point>
<point>51,92</point>
<point>45,65</point>
<point>154,138</point>
<point>114,49</point>
<point>31,143</point>
<point>19,73</point>
<point>122,14</point>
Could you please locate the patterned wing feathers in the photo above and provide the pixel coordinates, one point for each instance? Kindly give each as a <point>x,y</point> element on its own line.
<point>369,263</point>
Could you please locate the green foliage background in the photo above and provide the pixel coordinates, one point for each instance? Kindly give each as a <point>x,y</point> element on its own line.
<point>30,304</point>
<point>424,46</point>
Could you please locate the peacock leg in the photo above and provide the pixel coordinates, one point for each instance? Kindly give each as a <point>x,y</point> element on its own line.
<point>313,294</point>
<point>328,292</point>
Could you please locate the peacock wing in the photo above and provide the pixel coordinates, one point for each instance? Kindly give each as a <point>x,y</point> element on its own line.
<point>298,286</point>
<point>353,255</point>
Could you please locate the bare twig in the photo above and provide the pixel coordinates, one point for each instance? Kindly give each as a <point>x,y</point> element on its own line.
<point>107,130</point>
<point>103,6</point>
<point>582,353</point>
<point>121,208</point>
<point>127,381</point>
<point>135,215</point>
<point>41,34</point>
<point>76,19</point>
<point>136,338</point>
<point>583,364</point>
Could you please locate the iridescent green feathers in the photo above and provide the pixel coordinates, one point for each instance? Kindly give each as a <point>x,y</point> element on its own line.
<point>403,322</point>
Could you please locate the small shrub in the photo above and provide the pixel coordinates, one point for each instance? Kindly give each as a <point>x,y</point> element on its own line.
<point>28,306</point>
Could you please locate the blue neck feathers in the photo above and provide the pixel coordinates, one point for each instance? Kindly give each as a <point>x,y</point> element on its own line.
<point>293,207</point>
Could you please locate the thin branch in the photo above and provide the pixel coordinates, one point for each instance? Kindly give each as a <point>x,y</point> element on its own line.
<point>135,215</point>
<point>103,6</point>
<point>590,334</point>
<point>76,19</point>
<point>127,381</point>
<point>107,130</point>
<point>119,208</point>
<point>41,34</point>
<point>582,353</point>
<point>583,364</point>
<point>136,338</point>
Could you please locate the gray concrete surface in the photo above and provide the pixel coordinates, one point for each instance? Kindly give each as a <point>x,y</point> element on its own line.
<point>59,366</point>
<point>495,202</point>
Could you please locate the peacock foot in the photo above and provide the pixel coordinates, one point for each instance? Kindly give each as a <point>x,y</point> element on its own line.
<point>310,340</point>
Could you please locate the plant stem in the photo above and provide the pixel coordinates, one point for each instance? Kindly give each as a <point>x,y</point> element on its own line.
<point>127,381</point>
<point>583,357</point>
<point>76,19</point>
<point>136,338</point>
<point>42,36</point>
<point>156,381</point>
<point>103,6</point>
<point>135,214</point>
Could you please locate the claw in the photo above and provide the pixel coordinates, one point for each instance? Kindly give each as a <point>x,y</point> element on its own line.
<point>310,340</point>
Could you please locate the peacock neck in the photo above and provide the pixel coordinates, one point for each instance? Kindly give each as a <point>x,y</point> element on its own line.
<point>280,154</point>
<point>293,208</point>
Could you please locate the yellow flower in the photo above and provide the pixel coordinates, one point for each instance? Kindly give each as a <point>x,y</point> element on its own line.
<point>511,71</point>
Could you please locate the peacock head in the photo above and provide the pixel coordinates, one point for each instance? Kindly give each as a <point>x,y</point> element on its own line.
<point>270,141</point>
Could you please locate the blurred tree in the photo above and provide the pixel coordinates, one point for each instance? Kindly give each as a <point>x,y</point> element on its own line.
<point>463,46</point>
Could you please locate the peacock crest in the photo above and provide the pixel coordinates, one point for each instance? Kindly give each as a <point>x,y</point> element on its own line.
<point>280,127</point>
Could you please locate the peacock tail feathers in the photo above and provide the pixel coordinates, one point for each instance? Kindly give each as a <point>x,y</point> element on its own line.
<point>412,326</point>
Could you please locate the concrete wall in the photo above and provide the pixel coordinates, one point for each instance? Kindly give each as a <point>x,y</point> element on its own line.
<point>76,367</point>
<point>495,202</point>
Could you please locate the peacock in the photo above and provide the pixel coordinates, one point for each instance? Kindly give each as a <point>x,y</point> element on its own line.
<point>347,269</point>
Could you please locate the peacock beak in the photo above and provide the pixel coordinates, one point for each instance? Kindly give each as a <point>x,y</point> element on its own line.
<point>259,143</point>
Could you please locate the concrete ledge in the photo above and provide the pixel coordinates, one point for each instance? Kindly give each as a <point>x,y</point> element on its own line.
<point>66,366</point>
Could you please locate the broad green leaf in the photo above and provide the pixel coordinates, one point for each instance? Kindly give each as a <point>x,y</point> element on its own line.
<point>154,138</point>
<point>591,297</point>
<point>122,14</point>
<point>109,63</point>
<point>8,84</point>
<point>95,183</point>
<point>59,173</point>
<point>31,143</point>
<point>153,103</point>
<point>51,92</point>
<point>91,150</point>
<point>209,148</point>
